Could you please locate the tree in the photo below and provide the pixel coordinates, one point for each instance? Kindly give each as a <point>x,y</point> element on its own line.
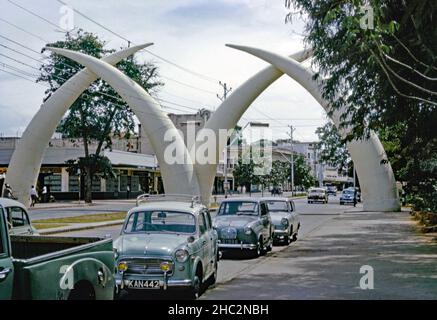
<point>302,173</point>
<point>99,113</point>
<point>378,59</point>
<point>279,173</point>
<point>244,174</point>
<point>332,148</point>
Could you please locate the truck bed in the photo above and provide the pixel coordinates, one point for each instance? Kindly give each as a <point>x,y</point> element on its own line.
<point>28,247</point>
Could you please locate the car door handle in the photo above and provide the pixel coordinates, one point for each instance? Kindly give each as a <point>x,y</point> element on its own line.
<point>4,273</point>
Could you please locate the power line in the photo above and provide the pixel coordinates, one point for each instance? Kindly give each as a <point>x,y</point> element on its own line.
<point>36,15</point>
<point>23,30</point>
<point>116,34</point>
<point>17,75</point>
<point>199,75</point>
<point>94,21</point>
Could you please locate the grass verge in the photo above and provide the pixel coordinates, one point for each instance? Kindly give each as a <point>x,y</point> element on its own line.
<point>89,218</point>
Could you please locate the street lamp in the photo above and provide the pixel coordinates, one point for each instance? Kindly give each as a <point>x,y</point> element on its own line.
<point>225,155</point>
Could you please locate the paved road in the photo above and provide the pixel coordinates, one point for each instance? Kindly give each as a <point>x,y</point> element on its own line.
<point>312,217</point>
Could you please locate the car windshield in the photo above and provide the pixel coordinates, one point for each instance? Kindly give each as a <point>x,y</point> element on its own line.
<point>238,208</point>
<point>348,192</point>
<point>316,191</point>
<point>161,221</point>
<point>277,206</point>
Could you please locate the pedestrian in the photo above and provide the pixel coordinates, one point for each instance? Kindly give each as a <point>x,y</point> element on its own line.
<point>128,192</point>
<point>44,194</point>
<point>8,192</point>
<point>33,196</point>
<point>355,197</point>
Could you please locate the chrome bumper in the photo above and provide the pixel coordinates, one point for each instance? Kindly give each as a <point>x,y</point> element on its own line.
<point>280,233</point>
<point>240,246</point>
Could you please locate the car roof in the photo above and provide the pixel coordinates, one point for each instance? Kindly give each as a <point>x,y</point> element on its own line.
<point>6,202</point>
<point>276,199</point>
<point>319,189</point>
<point>180,206</point>
<point>245,199</point>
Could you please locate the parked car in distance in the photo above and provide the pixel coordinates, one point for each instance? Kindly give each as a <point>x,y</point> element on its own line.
<point>331,190</point>
<point>53,268</point>
<point>317,195</point>
<point>244,224</point>
<point>285,220</point>
<point>167,242</point>
<point>17,219</point>
<point>358,192</point>
<point>347,196</point>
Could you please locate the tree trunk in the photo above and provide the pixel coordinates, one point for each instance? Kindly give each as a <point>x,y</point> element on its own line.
<point>88,186</point>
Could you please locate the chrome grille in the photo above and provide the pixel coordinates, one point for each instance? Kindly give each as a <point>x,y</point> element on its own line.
<point>228,234</point>
<point>229,241</point>
<point>148,266</point>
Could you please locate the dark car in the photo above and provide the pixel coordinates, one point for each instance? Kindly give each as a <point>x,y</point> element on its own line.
<point>332,190</point>
<point>244,224</point>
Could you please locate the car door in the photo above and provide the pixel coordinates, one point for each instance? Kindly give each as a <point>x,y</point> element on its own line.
<point>204,242</point>
<point>212,240</point>
<point>19,221</point>
<point>6,266</point>
<point>266,222</point>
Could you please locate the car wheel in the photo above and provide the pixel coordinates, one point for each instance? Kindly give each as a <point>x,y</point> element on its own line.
<point>258,251</point>
<point>196,289</point>
<point>270,246</point>
<point>295,237</point>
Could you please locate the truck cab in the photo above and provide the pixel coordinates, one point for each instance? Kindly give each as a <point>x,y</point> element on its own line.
<point>36,267</point>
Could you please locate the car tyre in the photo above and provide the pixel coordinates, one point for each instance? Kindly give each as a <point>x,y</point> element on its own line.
<point>196,289</point>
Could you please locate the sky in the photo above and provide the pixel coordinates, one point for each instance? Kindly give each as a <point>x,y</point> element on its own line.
<point>189,33</point>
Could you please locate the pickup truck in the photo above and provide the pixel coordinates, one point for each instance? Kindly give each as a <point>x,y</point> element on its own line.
<point>54,268</point>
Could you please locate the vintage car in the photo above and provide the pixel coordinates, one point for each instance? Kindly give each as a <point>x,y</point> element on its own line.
<point>286,221</point>
<point>331,190</point>
<point>317,195</point>
<point>166,243</point>
<point>17,218</point>
<point>244,224</point>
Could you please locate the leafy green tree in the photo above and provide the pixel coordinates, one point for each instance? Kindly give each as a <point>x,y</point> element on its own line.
<point>332,148</point>
<point>378,59</point>
<point>244,174</point>
<point>302,173</point>
<point>279,173</point>
<point>99,114</point>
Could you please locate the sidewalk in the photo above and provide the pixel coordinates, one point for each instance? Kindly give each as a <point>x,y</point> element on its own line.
<point>79,227</point>
<point>326,263</point>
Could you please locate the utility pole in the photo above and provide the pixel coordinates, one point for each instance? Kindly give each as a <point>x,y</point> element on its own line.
<point>292,160</point>
<point>226,90</point>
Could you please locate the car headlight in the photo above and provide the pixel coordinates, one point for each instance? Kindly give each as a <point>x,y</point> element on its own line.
<point>122,267</point>
<point>181,255</point>
<point>284,222</point>
<point>248,231</point>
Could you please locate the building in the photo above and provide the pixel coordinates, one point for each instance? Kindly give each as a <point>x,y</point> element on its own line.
<point>138,171</point>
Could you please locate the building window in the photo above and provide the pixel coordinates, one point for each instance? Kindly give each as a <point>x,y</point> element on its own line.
<point>53,182</point>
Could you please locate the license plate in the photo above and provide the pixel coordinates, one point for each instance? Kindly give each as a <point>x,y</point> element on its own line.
<point>143,284</point>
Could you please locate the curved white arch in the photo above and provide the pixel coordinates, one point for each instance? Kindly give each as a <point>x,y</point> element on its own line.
<point>231,110</point>
<point>176,176</point>
<point>376,176</point>
<point>26,160</point>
